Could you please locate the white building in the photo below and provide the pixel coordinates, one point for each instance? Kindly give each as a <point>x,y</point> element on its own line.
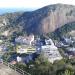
<point>51,51</point>
<point>49,42</point>
<point>19,59</point>
<point>25,40</point>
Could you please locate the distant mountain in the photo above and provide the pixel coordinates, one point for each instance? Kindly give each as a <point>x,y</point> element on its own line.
<point>12,10</point>
<point>41,21</point>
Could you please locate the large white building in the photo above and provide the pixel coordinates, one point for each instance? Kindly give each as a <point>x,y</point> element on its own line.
<point>28,40</point>
<point>51,51</point>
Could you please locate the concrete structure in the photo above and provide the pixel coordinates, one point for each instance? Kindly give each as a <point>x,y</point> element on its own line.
<point>28,40</point>
<point>51,51</point>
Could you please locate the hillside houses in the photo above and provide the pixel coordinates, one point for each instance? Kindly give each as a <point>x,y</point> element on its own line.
<point>70,52</point>
<point>65,42</point>
<point>31,47</point>
<point>49,49</point>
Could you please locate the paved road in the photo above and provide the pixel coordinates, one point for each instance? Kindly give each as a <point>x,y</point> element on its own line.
<point>4,70</point>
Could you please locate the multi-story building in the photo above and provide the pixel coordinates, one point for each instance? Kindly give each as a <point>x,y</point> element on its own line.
<point>25,49</point>
<point>28,40</point>
<point>51,51</point>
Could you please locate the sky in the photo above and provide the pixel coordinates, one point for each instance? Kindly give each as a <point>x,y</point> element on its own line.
<point>35,4</point>
<point>7,6</point>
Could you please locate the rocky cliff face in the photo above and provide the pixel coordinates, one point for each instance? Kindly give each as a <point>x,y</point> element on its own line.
<point>44,20</point>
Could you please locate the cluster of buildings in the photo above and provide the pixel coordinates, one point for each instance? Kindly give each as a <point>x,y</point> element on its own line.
<point>65,42</point>
<point>25,44</point>
<point>32,47</point>
<point>68,43</point>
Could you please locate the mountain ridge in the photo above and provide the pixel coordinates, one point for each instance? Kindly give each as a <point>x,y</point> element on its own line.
<point>41,21</point>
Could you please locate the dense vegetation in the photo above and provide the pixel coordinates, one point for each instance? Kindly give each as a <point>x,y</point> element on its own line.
<point>40,67</point>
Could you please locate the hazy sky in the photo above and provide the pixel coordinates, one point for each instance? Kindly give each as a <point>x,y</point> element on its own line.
<point>31,3</point>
